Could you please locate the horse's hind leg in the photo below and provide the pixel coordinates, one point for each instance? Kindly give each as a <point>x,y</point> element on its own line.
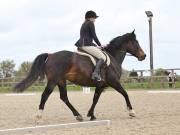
<point>117,86</point>
<point>48,90</point>
<point>97,94</point>
<point>64,98</point>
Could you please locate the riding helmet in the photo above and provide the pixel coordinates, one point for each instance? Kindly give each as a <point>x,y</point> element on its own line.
<point>91,14</point>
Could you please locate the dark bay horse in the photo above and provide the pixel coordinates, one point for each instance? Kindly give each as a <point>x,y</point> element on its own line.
<point>65,65</point>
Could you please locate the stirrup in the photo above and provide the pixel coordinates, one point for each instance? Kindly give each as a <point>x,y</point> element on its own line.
<point>97,78</point>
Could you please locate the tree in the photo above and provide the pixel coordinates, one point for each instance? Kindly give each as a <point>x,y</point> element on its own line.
<point>161,72</point>
<point>7,68</point>
<point>24,69</point>
<point>125,74</point>
<point>1,72</point>
<point>133,74</point>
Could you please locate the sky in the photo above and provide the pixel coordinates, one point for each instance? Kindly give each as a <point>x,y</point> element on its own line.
<point>31,27</point>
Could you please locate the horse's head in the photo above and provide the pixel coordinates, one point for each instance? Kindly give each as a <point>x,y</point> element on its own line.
<point>125,43</point>
<point>134,48</point>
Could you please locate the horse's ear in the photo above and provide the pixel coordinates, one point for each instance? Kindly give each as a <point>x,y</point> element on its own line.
<point>133,31</point>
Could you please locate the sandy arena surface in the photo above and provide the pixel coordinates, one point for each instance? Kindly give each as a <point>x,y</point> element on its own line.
<point>157,114</point>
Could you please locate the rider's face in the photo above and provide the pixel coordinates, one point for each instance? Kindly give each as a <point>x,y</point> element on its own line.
<point>92,19</point>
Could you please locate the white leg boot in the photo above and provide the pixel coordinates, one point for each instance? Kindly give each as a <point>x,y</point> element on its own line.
<point>132,113</point>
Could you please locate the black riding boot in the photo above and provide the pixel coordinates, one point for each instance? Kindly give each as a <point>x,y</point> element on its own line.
<point>96,75</point>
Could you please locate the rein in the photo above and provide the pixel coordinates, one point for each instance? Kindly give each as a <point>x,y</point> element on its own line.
<point>126,52</point>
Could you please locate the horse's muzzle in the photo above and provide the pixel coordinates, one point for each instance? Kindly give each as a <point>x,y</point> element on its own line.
<point>141,55</point>
<point>141,58</point>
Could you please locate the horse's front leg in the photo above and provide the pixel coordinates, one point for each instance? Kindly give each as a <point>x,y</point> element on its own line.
<point>117,86</point>
<point>97,94</point>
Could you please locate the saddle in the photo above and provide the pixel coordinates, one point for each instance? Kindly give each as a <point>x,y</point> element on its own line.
<point>92,58</point>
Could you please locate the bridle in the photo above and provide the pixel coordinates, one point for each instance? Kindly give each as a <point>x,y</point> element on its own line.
<point>127,54</point>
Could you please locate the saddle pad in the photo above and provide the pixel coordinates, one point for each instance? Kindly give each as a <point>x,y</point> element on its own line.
<point>93,59</point>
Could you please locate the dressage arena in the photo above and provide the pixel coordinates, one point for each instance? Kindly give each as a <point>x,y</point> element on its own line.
<point>157,113</point>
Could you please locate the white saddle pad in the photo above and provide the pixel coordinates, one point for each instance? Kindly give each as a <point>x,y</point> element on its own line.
<point>93,59</point>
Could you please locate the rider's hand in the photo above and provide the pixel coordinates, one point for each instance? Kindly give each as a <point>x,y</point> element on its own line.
<point>101,47</point>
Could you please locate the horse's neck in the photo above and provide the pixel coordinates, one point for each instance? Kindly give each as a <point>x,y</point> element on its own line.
<point>119,56</point>
<point>116,61</point>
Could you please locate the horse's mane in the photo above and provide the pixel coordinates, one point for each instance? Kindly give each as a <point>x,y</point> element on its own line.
<point>116,43</point>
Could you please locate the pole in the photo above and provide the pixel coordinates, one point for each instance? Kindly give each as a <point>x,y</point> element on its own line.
<point>151,46</point>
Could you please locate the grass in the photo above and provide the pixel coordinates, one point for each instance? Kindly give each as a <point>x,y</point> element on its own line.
<point>41,88</point>
<point>145,86</point>
<point>127,86</point>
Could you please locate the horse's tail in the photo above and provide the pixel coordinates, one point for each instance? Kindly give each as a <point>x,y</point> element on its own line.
<point>37,71</point>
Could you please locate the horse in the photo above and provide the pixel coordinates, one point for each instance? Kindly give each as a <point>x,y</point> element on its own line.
<point>66,65</point>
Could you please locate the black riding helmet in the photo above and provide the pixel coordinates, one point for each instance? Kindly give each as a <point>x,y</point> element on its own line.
<point>90,14</point>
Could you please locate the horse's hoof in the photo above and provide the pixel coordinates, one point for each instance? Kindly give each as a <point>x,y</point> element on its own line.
<point>39,117</point>
<point>39,114</point>
<point>93,118</point>
<point>38,121</point>
<point>79,118</point>
<point>89,115</point>
<point>132,113</point>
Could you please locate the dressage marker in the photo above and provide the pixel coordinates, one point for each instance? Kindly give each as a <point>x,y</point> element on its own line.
<point>164,91</point>
<point>86,90</point>
<point>56,126</point>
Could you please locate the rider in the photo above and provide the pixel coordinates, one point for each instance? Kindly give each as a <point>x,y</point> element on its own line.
<point>85,43</point>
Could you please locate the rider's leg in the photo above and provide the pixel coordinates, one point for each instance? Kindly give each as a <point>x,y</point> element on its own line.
<point>96,75</point>
<point>96,52</point>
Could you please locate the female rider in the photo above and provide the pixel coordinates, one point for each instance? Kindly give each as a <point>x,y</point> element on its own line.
<point>85,43</point>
